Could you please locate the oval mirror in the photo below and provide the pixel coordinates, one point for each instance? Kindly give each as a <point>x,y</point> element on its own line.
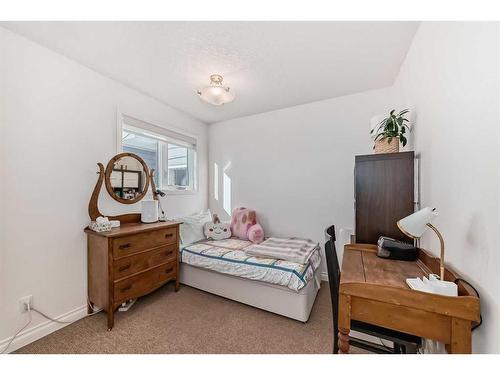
<point>127,178</point>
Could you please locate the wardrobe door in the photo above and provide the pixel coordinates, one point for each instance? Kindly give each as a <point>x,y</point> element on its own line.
<point>384,193</point>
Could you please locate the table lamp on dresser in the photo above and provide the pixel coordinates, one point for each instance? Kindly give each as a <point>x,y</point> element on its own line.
<point>416,224</point>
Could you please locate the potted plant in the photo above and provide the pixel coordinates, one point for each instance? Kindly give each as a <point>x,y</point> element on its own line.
<point>390,131</point>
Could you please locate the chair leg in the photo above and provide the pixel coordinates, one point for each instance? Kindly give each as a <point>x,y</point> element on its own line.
<point>335,339</point>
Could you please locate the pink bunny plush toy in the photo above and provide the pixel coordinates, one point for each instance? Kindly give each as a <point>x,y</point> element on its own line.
<point>244,225</point>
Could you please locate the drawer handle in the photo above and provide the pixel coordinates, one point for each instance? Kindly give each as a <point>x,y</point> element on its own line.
<point>124,268</point>
<point>168,270</point>
<point>125,246</point>
<point>126,288</point>
<point>167,253</point>
<point>168,235</point>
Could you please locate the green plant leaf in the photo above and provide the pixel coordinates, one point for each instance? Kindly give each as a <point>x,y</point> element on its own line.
<point>394,126</point>
<point>389,140</point>
<point>403,140</point>
<point>392,112</point>
<point>380,126</point>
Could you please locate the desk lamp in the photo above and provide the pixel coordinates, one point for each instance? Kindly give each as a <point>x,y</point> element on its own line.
<point>161,194</point>
<point>415,225</point>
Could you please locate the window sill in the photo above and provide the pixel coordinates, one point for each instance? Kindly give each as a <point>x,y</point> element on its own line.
<point>180,192</point>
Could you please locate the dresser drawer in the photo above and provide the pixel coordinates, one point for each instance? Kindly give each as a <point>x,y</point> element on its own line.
<point>128,245</point>
<point>138,285</point>
<point>135,263</point>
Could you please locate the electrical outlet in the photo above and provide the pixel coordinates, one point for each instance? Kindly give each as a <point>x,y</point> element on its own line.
<point>23,301</point>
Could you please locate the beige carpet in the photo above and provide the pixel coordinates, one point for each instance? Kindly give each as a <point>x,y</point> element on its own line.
<point>193,321</point>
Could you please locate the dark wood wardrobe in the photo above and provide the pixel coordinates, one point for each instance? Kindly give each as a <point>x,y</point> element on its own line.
<point>383,194</point>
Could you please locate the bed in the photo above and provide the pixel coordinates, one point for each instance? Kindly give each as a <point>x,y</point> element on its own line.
<point>279,286</point>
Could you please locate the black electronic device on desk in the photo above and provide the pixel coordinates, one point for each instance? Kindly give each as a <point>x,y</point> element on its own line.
<point>392,249</point>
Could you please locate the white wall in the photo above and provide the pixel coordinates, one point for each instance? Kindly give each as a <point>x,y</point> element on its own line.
<point>451,78</point>
<point>295,165</point>
<point>58,119</point>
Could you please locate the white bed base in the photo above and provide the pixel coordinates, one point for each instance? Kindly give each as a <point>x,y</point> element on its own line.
<point>274,298</point>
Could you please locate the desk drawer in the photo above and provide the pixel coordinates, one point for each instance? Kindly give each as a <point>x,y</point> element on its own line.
<point>128,245</point>
<point>136,263</point>
<point>145,282</point>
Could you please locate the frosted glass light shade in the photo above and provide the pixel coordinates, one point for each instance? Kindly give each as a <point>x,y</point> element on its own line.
<point>216,93</point>
<point>415,224</point>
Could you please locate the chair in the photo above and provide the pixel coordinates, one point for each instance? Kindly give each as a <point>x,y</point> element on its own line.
<point>402,343</point>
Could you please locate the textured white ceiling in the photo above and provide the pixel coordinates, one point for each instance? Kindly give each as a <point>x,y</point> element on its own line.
<point>269,65</point>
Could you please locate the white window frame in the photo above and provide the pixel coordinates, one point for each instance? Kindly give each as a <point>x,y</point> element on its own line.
<point>165,133</point>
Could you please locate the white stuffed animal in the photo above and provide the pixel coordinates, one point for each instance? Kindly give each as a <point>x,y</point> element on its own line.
<point>215,230</point>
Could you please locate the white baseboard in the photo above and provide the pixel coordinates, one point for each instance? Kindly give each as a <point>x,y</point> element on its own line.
<point>43,329</point>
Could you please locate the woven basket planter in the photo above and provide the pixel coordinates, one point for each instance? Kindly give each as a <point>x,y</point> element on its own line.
<point>382,146</point>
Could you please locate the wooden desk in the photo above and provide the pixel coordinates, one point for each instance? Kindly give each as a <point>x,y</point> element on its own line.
<point>374,290</point>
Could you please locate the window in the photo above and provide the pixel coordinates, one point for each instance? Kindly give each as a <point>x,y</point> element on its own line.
<point>226,201</point>
<point>172,155</point>
<point>216,181</point>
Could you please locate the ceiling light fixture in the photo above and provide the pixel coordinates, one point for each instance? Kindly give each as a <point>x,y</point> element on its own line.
<point>216,93</point>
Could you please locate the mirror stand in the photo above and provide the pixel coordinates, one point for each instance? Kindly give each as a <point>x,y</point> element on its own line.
<point>93,208</point>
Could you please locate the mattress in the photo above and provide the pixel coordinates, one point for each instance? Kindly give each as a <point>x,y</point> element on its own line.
<point>228,257</point>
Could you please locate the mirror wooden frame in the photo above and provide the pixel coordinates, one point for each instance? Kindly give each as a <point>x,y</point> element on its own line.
<point>109,170</point>
<point>134,217</point>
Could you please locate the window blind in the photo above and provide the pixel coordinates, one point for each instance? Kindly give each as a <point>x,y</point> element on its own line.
<point>150,130</point>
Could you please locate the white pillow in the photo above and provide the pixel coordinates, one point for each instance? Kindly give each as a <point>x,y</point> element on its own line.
<point>191,229</point>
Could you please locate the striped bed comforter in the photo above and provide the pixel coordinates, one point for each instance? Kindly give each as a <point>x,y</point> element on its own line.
<point>229,257</point>
<point>298,250</point>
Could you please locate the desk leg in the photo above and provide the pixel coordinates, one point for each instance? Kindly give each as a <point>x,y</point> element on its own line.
<point>344,323</point>
<point>343,341</point>
<point>461,340</point>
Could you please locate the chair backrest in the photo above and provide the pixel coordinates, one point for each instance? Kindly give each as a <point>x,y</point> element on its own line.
<point>332,261</point>
<point>333,268</point>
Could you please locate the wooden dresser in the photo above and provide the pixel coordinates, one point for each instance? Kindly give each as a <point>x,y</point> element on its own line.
<point>131,261</point>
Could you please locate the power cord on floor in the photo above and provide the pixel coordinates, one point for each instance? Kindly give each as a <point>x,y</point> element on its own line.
<point>30,308</point>
<point>22,329</point>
